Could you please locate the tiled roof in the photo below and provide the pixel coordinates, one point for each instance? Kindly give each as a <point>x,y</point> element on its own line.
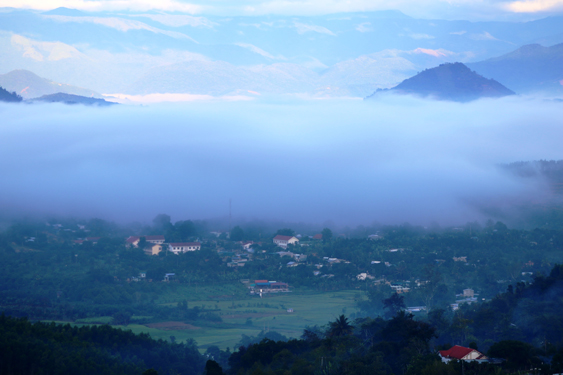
<point>457,352</point>
<point>283,238</point>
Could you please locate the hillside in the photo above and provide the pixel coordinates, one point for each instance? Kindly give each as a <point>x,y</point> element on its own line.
<point>71,99</point>
<point>451,81</point>
<point>30,85</point>
<point>47,348</point>
<point>6,96</point>
<point>528,69</point>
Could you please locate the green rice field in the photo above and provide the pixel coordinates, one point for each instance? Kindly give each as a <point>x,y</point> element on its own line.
<point>244,314</point>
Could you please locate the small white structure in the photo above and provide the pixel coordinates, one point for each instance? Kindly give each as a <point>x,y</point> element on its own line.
<point>363,276</point>
<point>183,247</point>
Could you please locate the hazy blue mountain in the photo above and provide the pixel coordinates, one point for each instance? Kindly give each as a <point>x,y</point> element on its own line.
<point>355,77</point>
<point>529,68</point>
<point>71,99</point>
<point>351,53</point>
<point>221,78</point>
<point>6,96</point>
<point>30,85</point>
<point>451,81</point>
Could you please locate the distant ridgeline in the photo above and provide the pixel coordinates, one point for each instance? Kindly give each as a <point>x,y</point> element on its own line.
<point>450,81</point>
<point>33,88</point>
<point>550,170</point>
<point>71,99</point>
<point>29,85</point>
<point>7,96</point>
<point>530,68</point>
<point>542,207</point>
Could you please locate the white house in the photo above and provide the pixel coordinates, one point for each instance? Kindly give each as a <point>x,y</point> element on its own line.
<point>183,247</point>
<point>283,241</point>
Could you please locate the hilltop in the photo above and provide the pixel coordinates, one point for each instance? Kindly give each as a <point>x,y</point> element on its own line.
<point>529,68</point>
<point>6,96</point>
<point>450,81</point>
<point>29,85</point>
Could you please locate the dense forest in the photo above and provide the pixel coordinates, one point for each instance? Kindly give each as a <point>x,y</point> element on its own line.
<point>6,96</point>
<point>49,348</point>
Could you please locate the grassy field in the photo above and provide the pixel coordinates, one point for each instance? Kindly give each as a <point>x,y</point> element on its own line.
<point>244,314</point>
<point>241,313</point>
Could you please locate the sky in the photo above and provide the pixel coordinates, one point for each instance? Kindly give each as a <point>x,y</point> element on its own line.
<point>439,9</point>
<point>351,162</point>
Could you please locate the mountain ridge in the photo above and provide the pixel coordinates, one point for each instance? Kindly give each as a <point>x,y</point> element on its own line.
<point>71,99</point>
<point>450,81</point>
<point>529,68</point>
<point>29,85</point>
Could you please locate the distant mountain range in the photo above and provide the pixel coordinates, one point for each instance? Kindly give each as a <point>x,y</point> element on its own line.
<point>346,54</point>
<point>71,99</point>
<point>29,85</point>
<point>450,81</point>
<point>530,68</point>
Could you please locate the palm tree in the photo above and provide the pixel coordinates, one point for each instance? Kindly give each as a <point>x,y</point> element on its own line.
<point>340,327</point>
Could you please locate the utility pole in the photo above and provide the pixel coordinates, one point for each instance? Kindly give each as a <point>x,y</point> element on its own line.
<point>229,215</point>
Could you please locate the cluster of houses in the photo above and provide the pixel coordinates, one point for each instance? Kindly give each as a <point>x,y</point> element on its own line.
<point>93,240</point>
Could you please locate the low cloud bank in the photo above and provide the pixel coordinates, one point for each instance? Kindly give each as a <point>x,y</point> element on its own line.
<point>395,160</point>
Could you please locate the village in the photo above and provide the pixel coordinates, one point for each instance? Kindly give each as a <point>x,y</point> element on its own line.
<point>291,253</point>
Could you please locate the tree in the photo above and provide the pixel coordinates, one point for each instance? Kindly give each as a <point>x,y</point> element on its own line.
<point>213,368</point>
<point>142,243</point>
<point>327,234</point>
<point>286,232</point>
<point>518,354</point>
<point>340,327</point>
<point>393,305</point>
<point>7,96</point>
<point>237,234</point>
<point>433,280</point>
<point>161,221</point>
<point>185,229</point>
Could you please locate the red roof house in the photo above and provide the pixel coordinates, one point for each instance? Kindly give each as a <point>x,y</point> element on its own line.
<point>461,353</point>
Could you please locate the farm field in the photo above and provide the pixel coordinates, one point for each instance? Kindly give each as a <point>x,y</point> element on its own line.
<point>248,315</point>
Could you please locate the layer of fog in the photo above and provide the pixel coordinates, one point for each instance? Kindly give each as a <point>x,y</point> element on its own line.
<point>352,162</point>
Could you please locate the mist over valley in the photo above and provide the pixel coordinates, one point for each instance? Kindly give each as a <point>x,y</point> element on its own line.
<point>281,188</point>
<point>396,160</point>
